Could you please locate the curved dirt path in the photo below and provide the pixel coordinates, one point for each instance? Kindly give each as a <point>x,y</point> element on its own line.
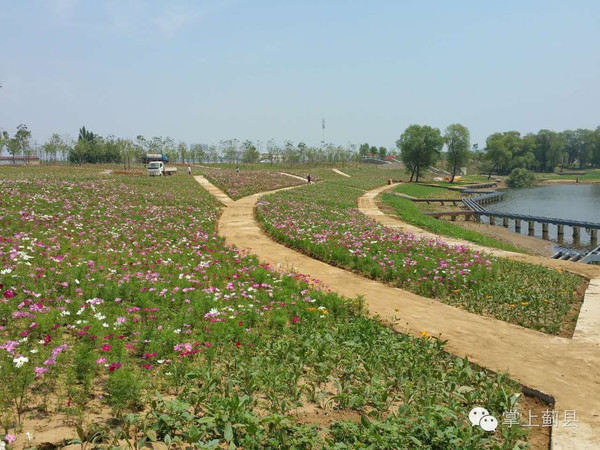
<point>567,369</point>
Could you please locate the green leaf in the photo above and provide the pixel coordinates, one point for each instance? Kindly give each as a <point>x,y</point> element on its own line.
<point>228,432</point>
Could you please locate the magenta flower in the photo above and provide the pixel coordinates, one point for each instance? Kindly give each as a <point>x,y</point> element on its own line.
<point>106,348</point>
<point>114,366</point>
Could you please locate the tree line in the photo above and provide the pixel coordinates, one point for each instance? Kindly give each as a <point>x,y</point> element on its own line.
<point>91,148</point>
<point>421,146</point>
<point>544,151</point>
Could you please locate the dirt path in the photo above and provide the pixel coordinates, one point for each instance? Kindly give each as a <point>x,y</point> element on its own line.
<point>292,176</point>
<point>568,369</point>
<point>339,172</point>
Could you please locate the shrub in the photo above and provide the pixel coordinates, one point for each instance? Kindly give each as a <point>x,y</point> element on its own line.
<point>520,178</point>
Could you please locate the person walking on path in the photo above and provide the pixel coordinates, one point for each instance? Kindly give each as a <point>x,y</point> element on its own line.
<point>308,178</point>
<point>189,170</point>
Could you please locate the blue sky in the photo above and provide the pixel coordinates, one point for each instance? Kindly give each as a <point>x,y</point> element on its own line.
<point>206,71</point>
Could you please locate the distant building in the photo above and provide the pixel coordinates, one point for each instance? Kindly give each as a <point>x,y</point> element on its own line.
<point>19,161</point>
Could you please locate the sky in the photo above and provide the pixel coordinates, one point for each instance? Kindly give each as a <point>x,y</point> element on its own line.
<point>205,71</point>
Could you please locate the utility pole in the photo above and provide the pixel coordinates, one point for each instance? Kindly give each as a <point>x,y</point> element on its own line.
<point>323,127</point>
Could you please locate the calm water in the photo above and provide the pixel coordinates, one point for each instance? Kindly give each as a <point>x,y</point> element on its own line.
<point>575,202</point>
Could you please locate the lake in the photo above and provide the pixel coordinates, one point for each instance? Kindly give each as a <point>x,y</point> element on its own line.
<point>564,201</point>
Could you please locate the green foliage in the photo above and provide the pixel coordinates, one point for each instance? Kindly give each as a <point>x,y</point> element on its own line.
<point>520,178</point>
<point>420,148</point>
<point>410,213</point>
<point>124,390</point>
<point>457,140</point>
<point>420,191</point>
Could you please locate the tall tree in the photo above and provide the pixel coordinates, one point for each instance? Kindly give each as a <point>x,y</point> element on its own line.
<point>86,135</point>
<point>53,146</point>
<point>363,150</point>
<point>458,142</point>
<point>496,153</point>
<point>19,143</point>
<point>420,147</point>
<point>182,149</point>
<point>249,152</point>
<point>382,152</point>
<point>549,149</point>
<point>4,139</point>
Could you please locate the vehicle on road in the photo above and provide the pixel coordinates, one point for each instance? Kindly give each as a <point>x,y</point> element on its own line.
<point>158,168</point>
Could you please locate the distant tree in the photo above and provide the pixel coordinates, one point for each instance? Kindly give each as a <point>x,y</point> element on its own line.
<point>457,140</point>
<point>382,152</point>
<point>86,135</point>
<point>373,151</point>
<point>364,149</point>
<point>549,149</point>
<point>273,150</point>
<point>182,149</point>
<point>420,147</point>
<point>53,146</point>
<point>127,149</point>
<point>4,139</point>
<point>249,152</point>
<point>169,148</point>
<point>19,143</point>
<point>198,152</point>
<point>496,153</point>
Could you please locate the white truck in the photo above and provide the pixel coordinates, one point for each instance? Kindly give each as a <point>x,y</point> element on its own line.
<point>158,168</point>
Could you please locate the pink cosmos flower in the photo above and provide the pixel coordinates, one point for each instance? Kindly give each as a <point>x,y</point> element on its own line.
<point>106,348</point>
<point>101,360</point>
<point>8,294</point>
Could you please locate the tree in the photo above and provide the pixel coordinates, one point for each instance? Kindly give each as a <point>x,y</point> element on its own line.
<point>520,178</point>
<point>53,146</point>
<point>86,135</point>
<point>496,153</point>
<point>549,149</point>
<point>182,149</point>
<point>382,152</point>
<point>249,152</point>
<point>127,150</point>
<point>457,139</point>
<point>420,147</point>
<point>19,143</point>
<point>363,150</point>
<point>4,139</point>
<point>373,151</point>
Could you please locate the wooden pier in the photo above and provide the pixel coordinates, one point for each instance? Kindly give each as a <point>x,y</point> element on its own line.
<point>576,225</point>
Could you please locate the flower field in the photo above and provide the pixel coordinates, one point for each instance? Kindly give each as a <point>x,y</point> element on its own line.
<point>322,222</point>
<point>126,319</point>
<point>248,182</point>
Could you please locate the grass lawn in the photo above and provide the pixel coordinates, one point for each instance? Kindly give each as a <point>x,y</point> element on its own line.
<point>410,213</point>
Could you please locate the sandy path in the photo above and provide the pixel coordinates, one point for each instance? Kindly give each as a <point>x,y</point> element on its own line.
<point>568,369</point>
<point>339,172</point>
<point>293,176</point>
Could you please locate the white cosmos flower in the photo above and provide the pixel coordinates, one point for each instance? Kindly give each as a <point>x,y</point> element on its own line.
<point>20,361</point>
